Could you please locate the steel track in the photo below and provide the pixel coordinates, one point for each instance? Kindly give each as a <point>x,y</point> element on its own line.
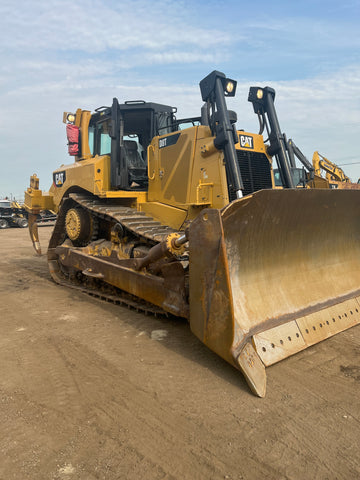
<point>138,223</point>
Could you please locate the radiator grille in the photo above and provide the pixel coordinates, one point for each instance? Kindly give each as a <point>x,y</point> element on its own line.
<point>255,172</point>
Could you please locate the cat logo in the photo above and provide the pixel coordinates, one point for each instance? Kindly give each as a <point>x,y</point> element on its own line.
<point>59,179</point>
<point>162,142</point>
<point>169,140</point>
<point>246,141</point>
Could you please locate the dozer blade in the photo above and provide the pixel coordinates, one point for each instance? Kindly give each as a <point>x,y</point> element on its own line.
<point>274,273</point>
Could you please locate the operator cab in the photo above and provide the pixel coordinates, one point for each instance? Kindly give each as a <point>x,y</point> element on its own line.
<point>124,131</point>
<point>298,177</point>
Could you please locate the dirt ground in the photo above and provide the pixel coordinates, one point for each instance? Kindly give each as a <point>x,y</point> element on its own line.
<point>91,390</point>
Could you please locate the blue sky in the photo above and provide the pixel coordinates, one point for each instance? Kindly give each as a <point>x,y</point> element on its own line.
<point>58,55</point>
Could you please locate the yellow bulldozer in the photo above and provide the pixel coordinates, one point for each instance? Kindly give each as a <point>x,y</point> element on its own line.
<point>182,215</point>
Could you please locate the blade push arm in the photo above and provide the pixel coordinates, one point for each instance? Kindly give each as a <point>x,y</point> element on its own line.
<point>263,103</point>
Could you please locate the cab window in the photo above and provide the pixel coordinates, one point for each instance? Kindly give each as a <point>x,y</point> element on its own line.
<point>91,139</point>
<point>104,138</point>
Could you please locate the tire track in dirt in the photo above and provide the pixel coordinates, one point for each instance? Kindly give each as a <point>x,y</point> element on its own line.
<point>47,378</point>
<point>24,441</point>
<point>131,419</point>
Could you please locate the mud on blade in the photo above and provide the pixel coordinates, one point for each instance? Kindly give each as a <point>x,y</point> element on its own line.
<point>274,273</point>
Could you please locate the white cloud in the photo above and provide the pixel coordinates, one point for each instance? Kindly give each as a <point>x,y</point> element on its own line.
<point>97,26</point>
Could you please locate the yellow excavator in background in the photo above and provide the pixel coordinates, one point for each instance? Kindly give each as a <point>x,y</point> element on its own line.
<point>182,216</point>
<point>333,174</point>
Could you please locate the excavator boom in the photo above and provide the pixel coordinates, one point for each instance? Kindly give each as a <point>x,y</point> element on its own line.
<point>333,172</point>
